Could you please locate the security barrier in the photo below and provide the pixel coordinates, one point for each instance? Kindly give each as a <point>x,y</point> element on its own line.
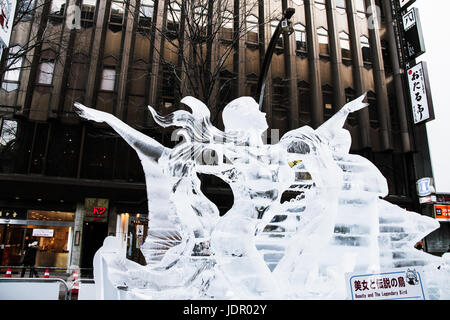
<point>45,289</point>
<point>33,289</point>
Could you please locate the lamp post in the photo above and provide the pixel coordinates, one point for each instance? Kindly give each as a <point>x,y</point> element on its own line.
<point>284,25</point>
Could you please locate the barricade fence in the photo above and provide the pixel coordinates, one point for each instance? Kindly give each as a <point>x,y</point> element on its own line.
<point>53,283</point>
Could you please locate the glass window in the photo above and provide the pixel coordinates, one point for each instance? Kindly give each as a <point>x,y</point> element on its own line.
<point>345,45</point>
<point>108,79</point>
<point>322,35</point>
<point>341,6</point>
<point>300,36</point>
<point>320,4</point>
<point>12,75</point>
<point>146,14</point>
<point>46,69</point>
<point>252,28</point>
<point>227,25</point>
<point>8,133</point>
<point>173,19</point>
<point>58,7</point>
<point>116,16</point>
<point>360,8</point>
<point>25,9</point>
<point>273,27</point>
<point>365,46</point>
<point>88,13</point>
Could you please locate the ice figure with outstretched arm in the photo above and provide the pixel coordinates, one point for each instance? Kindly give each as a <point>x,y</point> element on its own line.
<point>263,247</point>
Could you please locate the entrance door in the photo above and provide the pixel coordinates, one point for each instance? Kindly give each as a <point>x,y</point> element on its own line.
<point>94,233</point>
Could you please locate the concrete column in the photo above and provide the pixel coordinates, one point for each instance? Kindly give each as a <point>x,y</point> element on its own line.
<point>158,50</point>
<point>62,67</point>
<point>291,76</point>
<point>267,14</point>
<point>97,51</point>
<point>380,80</point>
<point>314,66</point>
<point>336,56</point>
<point>125,61</point>
<point>398,77</point>
<point>358,77</point>
<point>75,257</point>
<point>241,50</point>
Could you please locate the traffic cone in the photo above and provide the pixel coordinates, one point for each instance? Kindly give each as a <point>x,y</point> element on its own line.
<point>8,273</point>
<point>46,274</point>
<point>76,285</point>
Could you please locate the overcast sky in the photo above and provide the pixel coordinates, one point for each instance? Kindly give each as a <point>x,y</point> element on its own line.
<point>434,17</point>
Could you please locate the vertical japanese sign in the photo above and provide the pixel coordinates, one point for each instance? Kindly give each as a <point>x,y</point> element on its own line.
<point>403,4</point>
<point>7,12</point>
<point>412,30</point>
<point>395,284</point>
<point>422,106</point>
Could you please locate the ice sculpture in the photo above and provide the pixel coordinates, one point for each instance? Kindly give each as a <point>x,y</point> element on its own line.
<point>335,222</point>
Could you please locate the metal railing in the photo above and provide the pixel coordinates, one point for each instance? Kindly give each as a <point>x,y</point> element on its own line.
<point>40,280</point>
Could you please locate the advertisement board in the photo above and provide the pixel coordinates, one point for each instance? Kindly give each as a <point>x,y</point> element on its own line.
<point>412,30</point>
<point>442,212</point>
<point>394,284</point>
<point>48,233</point>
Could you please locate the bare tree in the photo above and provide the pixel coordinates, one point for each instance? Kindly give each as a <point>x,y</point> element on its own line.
<point>204,36</point>
<point>38,13</point>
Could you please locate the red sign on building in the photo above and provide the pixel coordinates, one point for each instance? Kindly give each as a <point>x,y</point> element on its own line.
<point>442,212</point>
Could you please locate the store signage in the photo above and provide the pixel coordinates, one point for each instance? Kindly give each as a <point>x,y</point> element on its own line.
<point>43,233</point>
<point>393,284</point>
<point>425,187</point>
<point>403,4</point>
<point>442,212</point>
<point>412,30</point>
<point>419,88</point>
<point>96,209</point>
<point>427,199</point>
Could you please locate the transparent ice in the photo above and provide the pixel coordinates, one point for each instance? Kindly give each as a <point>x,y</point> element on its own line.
<point>262,248</point>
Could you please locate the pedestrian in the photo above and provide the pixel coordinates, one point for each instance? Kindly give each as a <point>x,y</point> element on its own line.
<point>29,259</point>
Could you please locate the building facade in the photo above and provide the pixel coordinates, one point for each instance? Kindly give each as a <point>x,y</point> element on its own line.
<point>120,56</point>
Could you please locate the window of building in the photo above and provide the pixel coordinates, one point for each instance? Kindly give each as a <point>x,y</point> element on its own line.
<point>146,14</point>
<point>108,79</point>
<point>227,25</point>
<point>327,93</point>
<point>320,4</point>
<point>8,132</point>
<point>57,11</point>
<point>298,2</point>
<point>252,28</point>
<point>365,46</point>
<point>300,37</point>
<point>200,22</point>
<point>273,27</point>
<point>116,16</point>
<point>25,10</point>
<point>12,75</point>
<point>88,13</point>
<point>360,8</point>
<point>173,19</point>
<point>345,45</point>
<point>322,35</point>
<point>46,69</point>
<point>341,6</point>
